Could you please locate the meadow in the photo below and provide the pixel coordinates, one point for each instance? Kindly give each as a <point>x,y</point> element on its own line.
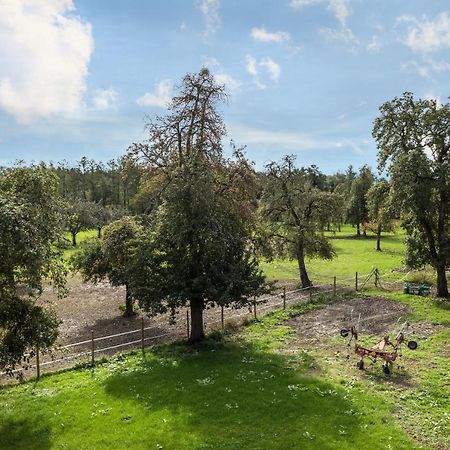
<point>260,387</point>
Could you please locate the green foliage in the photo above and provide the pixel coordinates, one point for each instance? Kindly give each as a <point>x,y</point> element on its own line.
<point>413,137</point>
<point>112,257</point>
<point>357,209</point>
<point>31,233</point>
<point>295,212</point>
<point>196,251</point>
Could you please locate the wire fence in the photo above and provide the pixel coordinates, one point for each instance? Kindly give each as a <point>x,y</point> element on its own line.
<point>63,356</point>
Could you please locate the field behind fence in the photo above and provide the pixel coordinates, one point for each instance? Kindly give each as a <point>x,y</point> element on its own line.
<point>89,350</point>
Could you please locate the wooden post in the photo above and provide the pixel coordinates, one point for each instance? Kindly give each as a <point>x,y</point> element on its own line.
<point>187,323</point>
<point>92,347</point>
<point>310,293</point>
<point>356,281</point>
<point>142,337</point>
<point>221,318</point>
<point>376,277</point>
<point>334,286</point>
<point>254,308</point>
<point>38,368</point>
<point>284,297</point>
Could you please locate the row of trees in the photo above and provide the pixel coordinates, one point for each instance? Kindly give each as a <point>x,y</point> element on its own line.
<point>206,218</point>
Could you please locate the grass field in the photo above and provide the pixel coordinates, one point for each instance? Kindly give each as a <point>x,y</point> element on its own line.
<point>238,391</point>
<point>251,390</point>
<point>352,255</point>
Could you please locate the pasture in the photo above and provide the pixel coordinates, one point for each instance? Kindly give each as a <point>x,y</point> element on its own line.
<point>280,382</point>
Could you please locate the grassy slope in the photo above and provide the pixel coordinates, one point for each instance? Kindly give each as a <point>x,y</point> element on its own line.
<point>237,393</point>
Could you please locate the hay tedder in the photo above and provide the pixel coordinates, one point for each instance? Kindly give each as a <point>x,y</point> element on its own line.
<point>386,349</point>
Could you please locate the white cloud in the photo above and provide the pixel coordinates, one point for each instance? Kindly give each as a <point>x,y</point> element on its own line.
<point>426,36</point>
<point>341,10</point>
<point>272,68</point>
<point>251,65</point>
<point>374,46</point>
<point>342,34</point>
<point>265,67</point>
<point>298,4</point>
<point>281,139</point>
<point>45,52</point>
<point>211,17</point>
<point>105,98</point>
<point>261,34</point>
<point>160,96</point>
<point>230,83</point>
<point>222,77</point>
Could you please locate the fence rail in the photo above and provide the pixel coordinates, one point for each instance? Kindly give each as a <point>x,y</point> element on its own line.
<point>257,307</point>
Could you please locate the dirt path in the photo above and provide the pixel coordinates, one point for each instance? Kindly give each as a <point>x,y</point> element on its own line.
<point>90,307</point>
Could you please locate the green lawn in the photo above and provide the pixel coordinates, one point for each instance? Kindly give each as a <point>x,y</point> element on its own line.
<point>230,393</point>
<point>81,236</point>
<point>352,255</point>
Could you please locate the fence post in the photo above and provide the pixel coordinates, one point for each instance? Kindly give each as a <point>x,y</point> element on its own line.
<point>187,324</point>
<point>38,368</point>
<point>356,281</point>
<point>92,347</point>
<point>254,308</point>
<point>222,318</point>
<point>376,277</point>
<point>284,297</point>
<point>334,286</point>
<point>310,293</point>
<point>142,337</point>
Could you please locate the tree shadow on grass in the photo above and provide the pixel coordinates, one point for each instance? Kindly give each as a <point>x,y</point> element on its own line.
<point>233,396</point>
<point>25,433</point>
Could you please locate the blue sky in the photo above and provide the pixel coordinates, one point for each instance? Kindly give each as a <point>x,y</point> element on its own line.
<point>305,77</point>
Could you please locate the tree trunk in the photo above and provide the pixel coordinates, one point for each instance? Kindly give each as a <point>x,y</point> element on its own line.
<point>197,332</point>
<point>99,232</point>
<point>74,239</point>
<point>379,238</point>
<point>442,286</point>
<point>304,279</point>
<point>339,227</point>
<point>364,233</point>
<point>328,226</point>
<point>358,230</point>
<point>128,303</point>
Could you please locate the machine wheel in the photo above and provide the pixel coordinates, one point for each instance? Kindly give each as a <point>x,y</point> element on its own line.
<point>386,369</point>
<point>360,365</point>
<point>412,345</point>
<point>344,333</point>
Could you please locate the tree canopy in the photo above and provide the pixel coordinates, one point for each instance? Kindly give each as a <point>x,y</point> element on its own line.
<point>197,251</point>
<point>31,234</point>
<point>413,138</point>
<point>295,212</point>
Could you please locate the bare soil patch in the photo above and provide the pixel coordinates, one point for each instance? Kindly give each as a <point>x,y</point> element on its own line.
<point>371,315</point>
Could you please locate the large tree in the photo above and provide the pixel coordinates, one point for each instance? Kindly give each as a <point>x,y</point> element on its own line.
<point>357,210</point>
<point>111,257</point>
<point>413,138</point>
<point>31,233</point>
<point>197,252</point>
<point>381,216</point>
<point>295,212</point>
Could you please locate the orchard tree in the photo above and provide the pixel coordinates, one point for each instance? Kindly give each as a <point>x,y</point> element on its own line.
<point>381,217</point>
<point>295,211</point>
<point>31,234</point>
<point>357,211</point>
<point>197,251</point>
<point>413,138</point>
<point>79,216</point>
<point>111,257</point>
